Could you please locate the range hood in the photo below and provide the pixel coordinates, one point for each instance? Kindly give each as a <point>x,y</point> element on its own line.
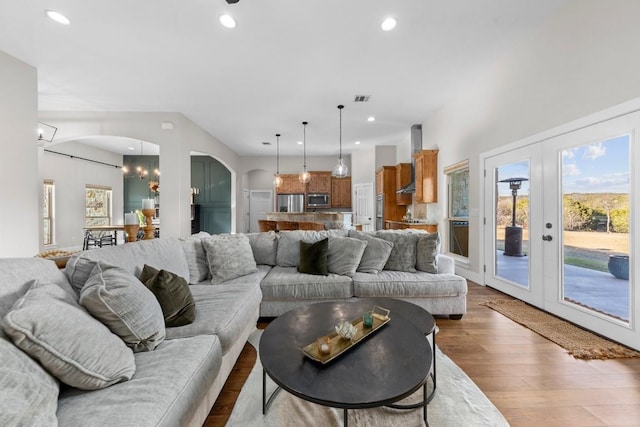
<point>416,147</point>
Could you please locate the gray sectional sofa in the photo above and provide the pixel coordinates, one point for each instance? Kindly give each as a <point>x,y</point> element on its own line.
<point>66,360</point>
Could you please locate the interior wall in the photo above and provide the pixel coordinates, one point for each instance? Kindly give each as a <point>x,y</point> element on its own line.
<point>579,62</point>
<point>70,188</point>
<point>21,189</point>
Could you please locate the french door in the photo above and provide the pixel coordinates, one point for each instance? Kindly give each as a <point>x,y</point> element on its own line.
<point>560,226</point>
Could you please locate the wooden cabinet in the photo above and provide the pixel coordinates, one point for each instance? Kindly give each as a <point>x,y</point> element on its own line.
<point>426,176</point>
<point>386,185</point>
<point>403,178</point>
<point>320,182</point>
<point>291,185</point>
<point>399,225</point>
<point>341,192</point>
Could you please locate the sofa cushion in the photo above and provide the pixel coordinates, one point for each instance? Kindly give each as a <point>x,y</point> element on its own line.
<point>224,311</point>
<point>49,325</point>
<point>119,300</point>
<point>400,284</point>
<point>313,257</point>
<point>403,253</point>
<point>376,253</point>
<point>173,295</point>
<point>288,254</point>
<point>285,283</point>
<point>28,393</point>
<point>264,247</point>
<point>166,254</point>
<point>427,250</point>
<point>229,256</point>
<point>196,257</point>
<point>344,255</point>
<point>166,389</point>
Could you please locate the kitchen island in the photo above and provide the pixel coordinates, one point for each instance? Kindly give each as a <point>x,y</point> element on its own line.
<point>331,220</point>
<point>415,224</point>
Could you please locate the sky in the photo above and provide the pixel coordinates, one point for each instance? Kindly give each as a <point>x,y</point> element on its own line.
<point>601,167</point>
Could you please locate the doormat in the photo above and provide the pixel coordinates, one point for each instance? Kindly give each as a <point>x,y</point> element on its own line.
<point>578,342</point>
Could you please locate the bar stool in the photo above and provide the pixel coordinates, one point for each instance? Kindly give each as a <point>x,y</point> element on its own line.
<point>287,225</point>
<point>310,225</point>
<point>266,225</point>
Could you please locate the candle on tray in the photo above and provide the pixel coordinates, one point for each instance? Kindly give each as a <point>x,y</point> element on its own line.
<point>148,204</point>
<point>131,218</point>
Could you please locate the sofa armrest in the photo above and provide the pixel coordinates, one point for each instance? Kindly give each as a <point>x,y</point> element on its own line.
<point>446,264</point>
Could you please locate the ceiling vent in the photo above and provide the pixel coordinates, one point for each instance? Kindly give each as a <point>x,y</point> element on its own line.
<point>361,98</point>
<point>266,143</point>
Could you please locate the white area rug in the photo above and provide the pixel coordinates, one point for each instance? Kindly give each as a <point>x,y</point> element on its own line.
<point>458,402</point>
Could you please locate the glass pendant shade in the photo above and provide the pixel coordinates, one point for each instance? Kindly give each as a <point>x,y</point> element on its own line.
<point>304,176</point>
<point>340,170</point>
<point>277,180</point>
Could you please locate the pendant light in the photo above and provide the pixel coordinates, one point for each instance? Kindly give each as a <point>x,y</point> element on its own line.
<point>340,170</point>
<point>277,179</point>
<point>304,176</point>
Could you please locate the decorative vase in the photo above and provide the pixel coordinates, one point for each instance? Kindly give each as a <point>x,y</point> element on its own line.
<point>619,266</point>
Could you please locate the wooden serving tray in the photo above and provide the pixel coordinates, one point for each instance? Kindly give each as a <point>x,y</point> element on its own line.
<point>338,345</point>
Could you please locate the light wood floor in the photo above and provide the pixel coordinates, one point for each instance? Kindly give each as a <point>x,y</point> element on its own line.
<point>532,381</point>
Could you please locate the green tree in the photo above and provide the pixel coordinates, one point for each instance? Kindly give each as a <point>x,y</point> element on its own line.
<point>575,214</point>
<point>620,220</point>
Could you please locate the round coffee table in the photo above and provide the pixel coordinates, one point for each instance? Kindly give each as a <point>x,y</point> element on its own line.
<point>384,368</point>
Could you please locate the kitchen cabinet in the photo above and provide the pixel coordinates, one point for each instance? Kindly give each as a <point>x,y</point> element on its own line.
<point>290,185</point>
<point>401,225</point>
<point>426,176</point>
<point>341,192</point>
<point>386,185</point>
<point>320,182</point>
<point>403,178</point>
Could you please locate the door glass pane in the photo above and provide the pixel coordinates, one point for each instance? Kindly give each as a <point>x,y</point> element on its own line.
<point>512,222</point>
<point>595,218</point>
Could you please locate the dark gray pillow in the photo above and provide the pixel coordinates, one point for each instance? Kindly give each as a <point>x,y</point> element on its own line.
<point>313,257</point>
<point>427,248</point>
<point>403,254</point>
<point>344,255</point>
<point>173,295</point>
<point>229,256</point>
<point>376,254</point>
<point>119,300</point>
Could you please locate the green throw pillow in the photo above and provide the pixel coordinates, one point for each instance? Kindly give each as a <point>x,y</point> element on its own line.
<point>313,257</point>
<point>173,294</point>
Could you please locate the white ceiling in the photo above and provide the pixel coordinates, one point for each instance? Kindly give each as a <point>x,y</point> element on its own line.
<point>286,62</point>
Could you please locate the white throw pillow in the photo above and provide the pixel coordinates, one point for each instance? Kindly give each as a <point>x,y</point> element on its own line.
<point>48,324</point>
<point>122,302</point>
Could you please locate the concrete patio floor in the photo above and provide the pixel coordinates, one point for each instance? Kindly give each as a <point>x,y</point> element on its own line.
<point>594,289</point>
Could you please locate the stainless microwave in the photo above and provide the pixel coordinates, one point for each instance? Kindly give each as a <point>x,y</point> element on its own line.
<point>322,200</point>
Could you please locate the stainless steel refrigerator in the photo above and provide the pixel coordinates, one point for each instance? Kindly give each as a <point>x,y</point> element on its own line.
<point>290,203</point>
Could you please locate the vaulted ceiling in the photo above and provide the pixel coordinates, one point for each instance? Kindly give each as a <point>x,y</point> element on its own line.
<point>287,61</point>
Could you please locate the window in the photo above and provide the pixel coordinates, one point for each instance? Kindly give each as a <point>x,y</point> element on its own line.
<point>48,212</point>
<point>98,205</point>
<point>458,210</point>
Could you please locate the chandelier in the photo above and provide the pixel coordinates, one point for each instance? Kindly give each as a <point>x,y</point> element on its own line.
<point>304,176</point>
<point>340,170</point>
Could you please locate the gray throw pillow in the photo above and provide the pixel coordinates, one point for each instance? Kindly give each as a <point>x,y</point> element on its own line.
<point>229,256</point>
<point>344,255</point>
<point>427,248</point>
<point>28,393</point>
<point>173,295</point>
<point>403,254</point>
<point>313,257</point>
<point>119,300</point>
<point>48,324</point>
<point>196,257</point>
<point>264,247</point>
<point>375,255</point>
<point>289,245</point>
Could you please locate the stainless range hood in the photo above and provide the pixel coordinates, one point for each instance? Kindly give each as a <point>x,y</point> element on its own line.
<point>416,147</point>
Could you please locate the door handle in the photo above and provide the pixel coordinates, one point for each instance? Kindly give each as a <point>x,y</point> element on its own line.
<point>547,238</point>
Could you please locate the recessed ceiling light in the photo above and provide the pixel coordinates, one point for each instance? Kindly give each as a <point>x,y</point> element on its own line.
<point>58,17</point>
<point>357,142</point>
<point>388,24</point>
<point>299,142</point>
<point>227,21</point>
<point>130,148</point>
<point>371,119</point>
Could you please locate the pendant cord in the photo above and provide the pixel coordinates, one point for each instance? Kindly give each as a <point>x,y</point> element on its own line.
<point>304,145</point>
<point>277,154</point>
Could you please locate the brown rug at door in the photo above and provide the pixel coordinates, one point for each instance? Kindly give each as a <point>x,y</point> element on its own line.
<point>580,343</point>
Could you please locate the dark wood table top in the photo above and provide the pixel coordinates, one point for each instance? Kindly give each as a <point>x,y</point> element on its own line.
<point>387,366</point>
